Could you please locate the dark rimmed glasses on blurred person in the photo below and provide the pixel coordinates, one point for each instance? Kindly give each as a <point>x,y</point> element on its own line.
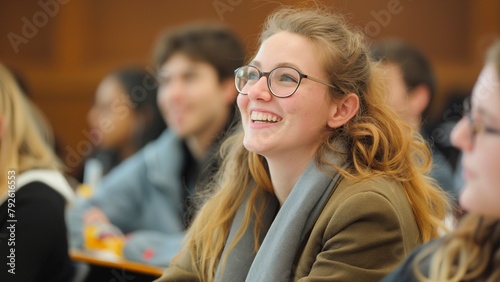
<point>476,127</point>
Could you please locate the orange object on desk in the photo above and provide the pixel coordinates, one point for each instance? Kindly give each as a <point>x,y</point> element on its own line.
<point>104,237</point>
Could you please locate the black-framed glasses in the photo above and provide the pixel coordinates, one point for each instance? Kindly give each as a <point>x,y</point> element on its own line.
<point>476,128</point>
<point>281,81</point>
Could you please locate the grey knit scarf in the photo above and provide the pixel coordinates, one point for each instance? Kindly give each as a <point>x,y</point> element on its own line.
<point>286,228</point>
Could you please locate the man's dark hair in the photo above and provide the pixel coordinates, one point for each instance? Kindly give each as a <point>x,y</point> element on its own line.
<point>414,65</point>
<point>205,41</point>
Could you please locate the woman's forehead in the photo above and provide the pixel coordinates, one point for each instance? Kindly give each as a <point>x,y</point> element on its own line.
<point>487,87</point>
<point>486,93</point>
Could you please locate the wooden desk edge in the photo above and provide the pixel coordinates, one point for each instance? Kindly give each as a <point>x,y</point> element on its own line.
<point>83,256</point>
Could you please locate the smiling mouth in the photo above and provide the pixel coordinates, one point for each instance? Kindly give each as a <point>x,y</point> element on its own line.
<point>258,117</point>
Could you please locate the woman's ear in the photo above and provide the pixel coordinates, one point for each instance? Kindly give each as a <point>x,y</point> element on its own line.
<point>418,100</point>
<point>343,110</point>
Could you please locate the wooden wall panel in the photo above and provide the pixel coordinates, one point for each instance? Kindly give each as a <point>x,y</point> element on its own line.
<point>84,39</point>
<point>432,26</point>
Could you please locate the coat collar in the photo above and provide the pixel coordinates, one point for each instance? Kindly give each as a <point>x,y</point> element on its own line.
<point>284,229</point>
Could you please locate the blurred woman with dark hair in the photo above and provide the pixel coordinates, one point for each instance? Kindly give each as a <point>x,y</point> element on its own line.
<point>123,119</point>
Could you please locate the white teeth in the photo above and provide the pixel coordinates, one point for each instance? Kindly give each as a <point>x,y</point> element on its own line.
<point>255,116</point>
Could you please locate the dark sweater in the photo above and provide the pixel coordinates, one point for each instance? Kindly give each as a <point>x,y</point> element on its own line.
<point>41,247</point>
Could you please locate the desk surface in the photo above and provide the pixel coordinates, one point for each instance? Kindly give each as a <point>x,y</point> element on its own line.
<point>95,259</point>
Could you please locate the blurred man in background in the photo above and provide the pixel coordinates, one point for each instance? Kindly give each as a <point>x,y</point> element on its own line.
<point>412,87</point>
<point>147,198</point>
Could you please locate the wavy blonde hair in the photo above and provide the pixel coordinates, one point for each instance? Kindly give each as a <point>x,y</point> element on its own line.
<point>22,146</point>
<point>472,251</point>
<point>469,253</point>
<point>378,142</point>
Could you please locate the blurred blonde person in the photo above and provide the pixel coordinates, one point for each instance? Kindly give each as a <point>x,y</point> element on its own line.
<point>36,201</point>
<point>472,251</point>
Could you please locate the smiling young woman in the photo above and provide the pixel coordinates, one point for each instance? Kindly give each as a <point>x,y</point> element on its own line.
<point>322,180</point>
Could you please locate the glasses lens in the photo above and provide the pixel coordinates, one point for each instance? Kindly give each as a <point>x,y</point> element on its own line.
<point>284,81</point>
<point>246,77</point>
<point>466,106</point>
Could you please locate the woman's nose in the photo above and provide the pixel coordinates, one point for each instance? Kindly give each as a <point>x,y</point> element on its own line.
<point>260,90</point>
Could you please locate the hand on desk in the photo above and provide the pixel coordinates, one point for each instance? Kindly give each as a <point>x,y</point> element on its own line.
<point>95,215</point>
<point>100,234</point>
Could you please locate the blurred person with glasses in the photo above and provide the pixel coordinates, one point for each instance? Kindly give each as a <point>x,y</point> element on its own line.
<point>476,124</point>
<point>471,252</point>
<point>322,180</point>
